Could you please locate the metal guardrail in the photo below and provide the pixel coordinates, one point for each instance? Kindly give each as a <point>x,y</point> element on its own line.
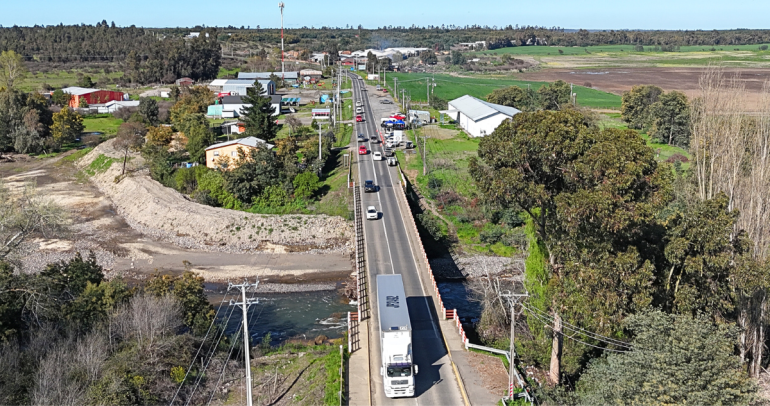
<point>516,375</point>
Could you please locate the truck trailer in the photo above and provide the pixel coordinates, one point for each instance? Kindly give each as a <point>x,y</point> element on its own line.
<point>397,369</point>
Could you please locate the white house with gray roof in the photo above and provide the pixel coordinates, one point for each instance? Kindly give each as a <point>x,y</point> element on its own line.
<point>478,117</point>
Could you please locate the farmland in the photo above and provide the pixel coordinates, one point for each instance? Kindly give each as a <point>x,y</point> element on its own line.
<point>451,87</point>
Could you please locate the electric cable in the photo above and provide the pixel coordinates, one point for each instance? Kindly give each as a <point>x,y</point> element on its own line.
<point>577,329</point>
<point>578,340</point>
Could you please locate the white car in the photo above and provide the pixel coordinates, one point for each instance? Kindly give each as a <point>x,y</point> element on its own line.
<point>359,110</point>
<point>377,156</point>
<point>371,213</point>
<point>358,103</point>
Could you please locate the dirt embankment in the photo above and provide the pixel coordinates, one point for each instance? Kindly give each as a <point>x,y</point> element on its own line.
<point>163,213</point>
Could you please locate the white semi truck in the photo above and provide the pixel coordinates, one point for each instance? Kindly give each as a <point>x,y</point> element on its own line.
<point>397,368</point>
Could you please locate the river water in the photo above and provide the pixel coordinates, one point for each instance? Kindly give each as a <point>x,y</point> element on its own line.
<point>303,315</point>
<point>307,315</point>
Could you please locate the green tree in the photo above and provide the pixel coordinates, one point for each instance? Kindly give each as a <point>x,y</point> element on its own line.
<point>60,98</point>
<point>160,136</point>
<point>555,96</point>
<point>83,103</point>
<point>175,93</point>
<point>305,185</point>
<point>258,116</point>
<point>254,171</point>
<point>86,81</point>
<point>188,289</point>
<point>148,109</point>
<point>676,359</point>
<point>95,302</point>
<point>514,96</point>
<point>214,183</point>
<point>195,100</point>
<point>457,58</point>
<point>670,117</point>
<point>195,127</point>
<point>636,103</point>
<point>67,126</point>
<point>12,68</point>
<point>590,194</point>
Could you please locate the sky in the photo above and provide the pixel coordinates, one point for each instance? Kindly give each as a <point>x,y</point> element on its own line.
<point>572,14</point>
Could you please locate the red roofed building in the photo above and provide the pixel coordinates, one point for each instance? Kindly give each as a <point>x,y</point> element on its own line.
<point>91,96</point>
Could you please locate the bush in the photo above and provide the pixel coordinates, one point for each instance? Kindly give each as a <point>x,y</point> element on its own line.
<point>185,180</point>
<point>433,225</point>
<point>204,197</point>
<point>491,234</point>
<point>305,185</point>
<point>677,158</point>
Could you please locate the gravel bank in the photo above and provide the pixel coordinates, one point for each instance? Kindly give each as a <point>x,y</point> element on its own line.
<point>474,266</point>
<point>163,213</point>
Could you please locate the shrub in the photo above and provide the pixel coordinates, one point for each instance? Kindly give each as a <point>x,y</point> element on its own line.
<point>677,158</point>
<point>305,185</point>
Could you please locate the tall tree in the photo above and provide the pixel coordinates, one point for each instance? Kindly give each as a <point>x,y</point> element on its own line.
<point>636,103</point>
<point>514,96</point>
<point>253,172</point>
<point>671,119</point>
<point>148,109</point>
<point>428,57</point>
<point>257,115</point>
<point>130,137</point>
<point>12,68</point>
<point>196,128</point>
<point>590,193</point>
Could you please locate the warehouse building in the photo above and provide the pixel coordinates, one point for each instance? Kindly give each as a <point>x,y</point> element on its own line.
<point>478,117</point>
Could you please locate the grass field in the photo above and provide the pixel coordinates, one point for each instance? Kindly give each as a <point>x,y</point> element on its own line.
<point>103,123</point>
<point>451,87</point>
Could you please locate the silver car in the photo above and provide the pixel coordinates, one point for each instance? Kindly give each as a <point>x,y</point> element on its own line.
<point>371,213</point>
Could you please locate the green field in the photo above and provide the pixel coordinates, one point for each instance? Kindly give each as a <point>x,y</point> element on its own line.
<point>103,123</point>
<point>451,87</point>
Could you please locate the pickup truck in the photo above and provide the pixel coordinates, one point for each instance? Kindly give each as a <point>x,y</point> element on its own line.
<point>369,186</point>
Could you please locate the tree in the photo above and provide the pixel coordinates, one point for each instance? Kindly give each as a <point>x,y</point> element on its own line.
<point>676,359</point>
<point>457,58</point>
<point>258,114</point>
<point>195,127</point>
<point>195,100</point>
<point>148,109</point>
<point>83,103</point>
<point>293,123</point>
<point>636,103</point>
<point>555,96</point>
<point>305,185</point>
<point>86,81</point>
<point>511,96</point>
<point>371,62</point>
<point>590,194</point>
<point>428,57</point>
<point>12,68</point>
<point>130,137</point>
<point>188,291</point>
<point>174,93</point>
<point>670,117</point>
<point>67,126</point>
<point>254,171</point>
<point>160,136</point>
<point>60,98</point>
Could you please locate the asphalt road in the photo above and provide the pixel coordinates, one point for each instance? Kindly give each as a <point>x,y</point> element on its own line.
<point>389,251</point>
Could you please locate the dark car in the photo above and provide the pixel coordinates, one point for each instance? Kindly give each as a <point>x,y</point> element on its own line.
<point>369,186</point>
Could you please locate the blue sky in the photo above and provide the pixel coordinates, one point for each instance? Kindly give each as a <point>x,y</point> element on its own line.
<point>590,14</point>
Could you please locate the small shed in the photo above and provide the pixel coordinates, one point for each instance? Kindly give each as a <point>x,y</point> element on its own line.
<point>184,82</point>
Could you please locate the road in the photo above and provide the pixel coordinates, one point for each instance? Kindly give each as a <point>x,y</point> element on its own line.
<point>389,251</point>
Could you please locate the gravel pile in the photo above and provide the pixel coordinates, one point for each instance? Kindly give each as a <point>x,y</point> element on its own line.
<point>292,288</point>
<point>35,261</point>
<point>474,266</point>
<point>165,214</point>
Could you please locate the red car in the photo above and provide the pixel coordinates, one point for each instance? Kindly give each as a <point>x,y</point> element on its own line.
<point>384,90</point>
<point>362,150</point>
<point>359,119</point>
<point>398,116</point>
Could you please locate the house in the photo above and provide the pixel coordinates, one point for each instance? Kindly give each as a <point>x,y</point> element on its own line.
<point>113,106</point>
<point>228,151</point>
<point>318,57</point>
<point>288,77</point>
<point>237,87</point>
<point>91,96</point>
<point>310,75</point>
<point>232,106</point>
<point>184,82</point>
<point>478,117</point>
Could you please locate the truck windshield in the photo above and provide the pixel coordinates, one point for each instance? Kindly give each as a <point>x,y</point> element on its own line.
<point>398,371</point>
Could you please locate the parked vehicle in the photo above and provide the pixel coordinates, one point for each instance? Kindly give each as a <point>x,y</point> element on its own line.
<point>397,369</point>
<point>369,186</point>
<point>359,119</point>
<point>409,145</point>
<point>385,101</point>
<point>371,213</point>
<point>362,150</point>
<point>392,161</point>
<point>388,151</point>
<point>377,156</point>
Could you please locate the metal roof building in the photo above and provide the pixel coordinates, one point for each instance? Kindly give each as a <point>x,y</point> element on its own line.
<point>253,142</point>
<point>478,117</point>
<point>288,76</point>
<point>239,86</point>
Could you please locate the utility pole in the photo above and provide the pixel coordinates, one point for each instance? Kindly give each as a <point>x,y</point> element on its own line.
<point>424,155</point>
<point>283,69</point>
<point>319,144</point>
<point>246,342</point>
<point>427,90</point>
<point>513,299</point>
<point>395,86</point>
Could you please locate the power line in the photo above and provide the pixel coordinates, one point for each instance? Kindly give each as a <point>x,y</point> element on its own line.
<point>206,364</point>
<point>199,348</point>
<point>546,322</point>
<point>577,329</point>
